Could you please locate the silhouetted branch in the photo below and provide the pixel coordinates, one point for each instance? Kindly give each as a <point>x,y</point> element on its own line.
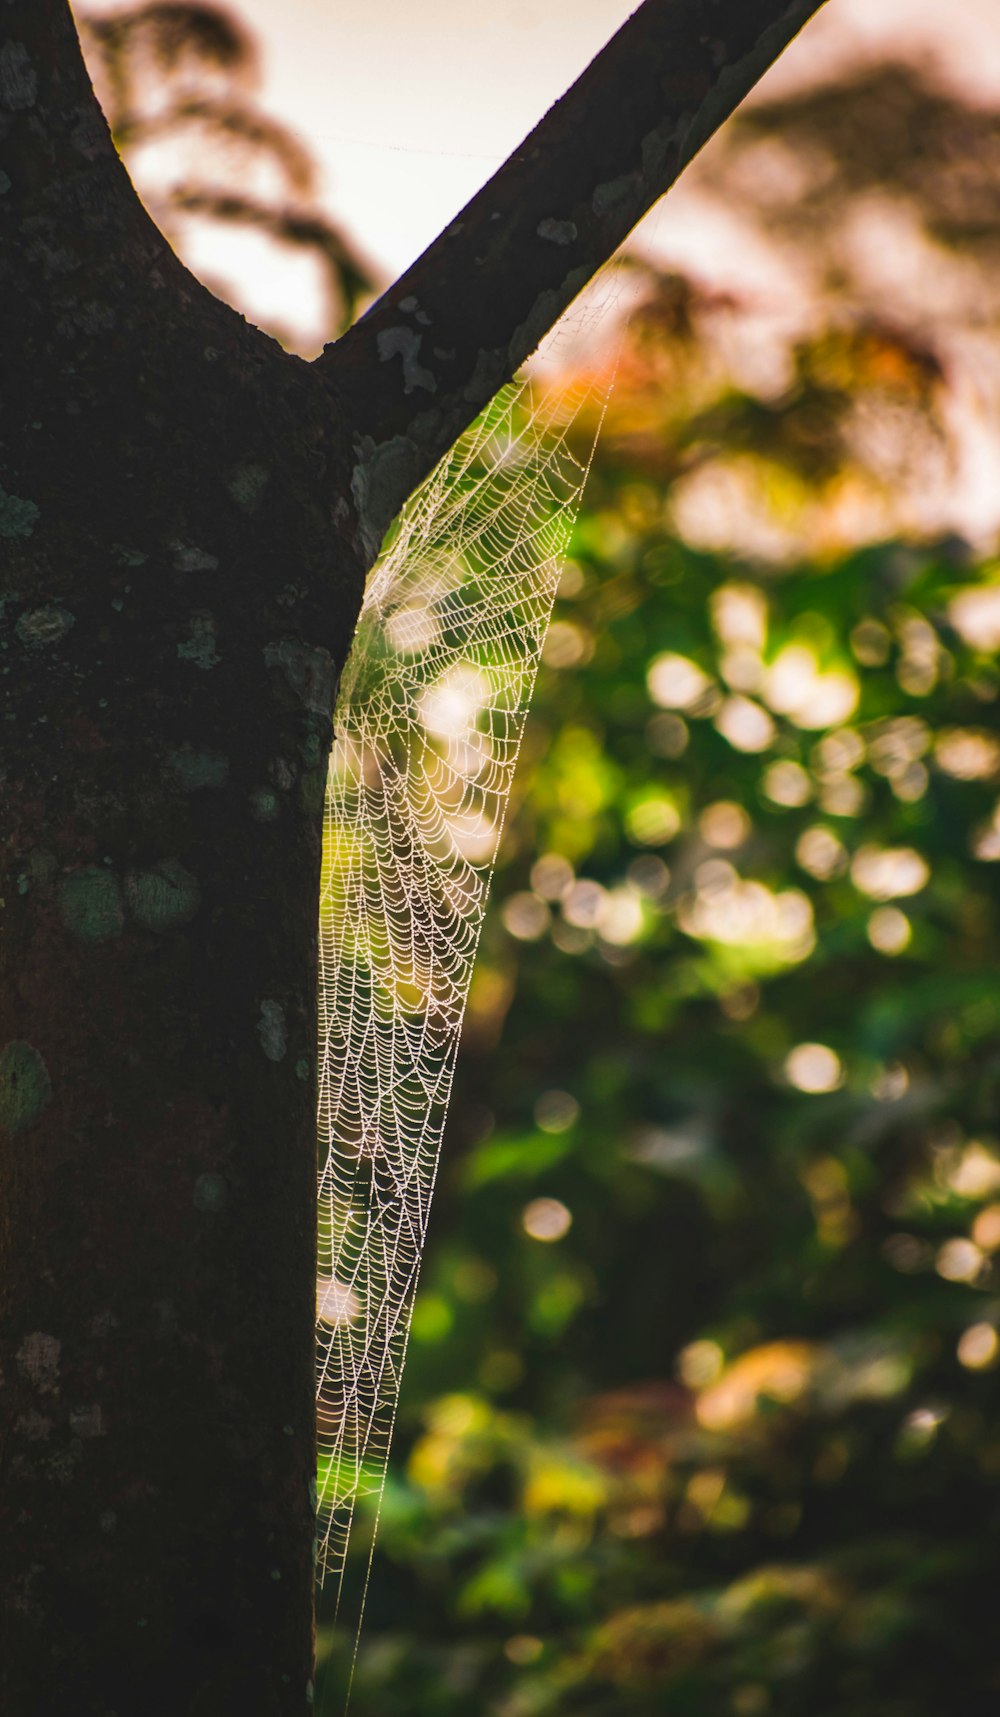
<point>458,324</point>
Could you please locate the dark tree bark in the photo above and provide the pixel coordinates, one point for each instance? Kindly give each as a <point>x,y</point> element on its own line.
<point>186,517</point>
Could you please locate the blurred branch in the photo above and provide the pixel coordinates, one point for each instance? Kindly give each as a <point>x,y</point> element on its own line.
<point>226,122</point>
<point>185,73</point>
<point>347,274</point>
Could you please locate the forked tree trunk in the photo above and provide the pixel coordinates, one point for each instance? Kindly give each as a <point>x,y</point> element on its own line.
<point>186,515</point>
<point>178,602</point>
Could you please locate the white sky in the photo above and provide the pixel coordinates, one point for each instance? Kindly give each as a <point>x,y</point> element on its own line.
<point>411,104</point>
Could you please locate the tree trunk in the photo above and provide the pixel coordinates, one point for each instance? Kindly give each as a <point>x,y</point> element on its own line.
<point>178,603</point>
<point>186,517</point>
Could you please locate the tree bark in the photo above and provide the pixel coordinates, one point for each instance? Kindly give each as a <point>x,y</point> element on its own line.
<point>186,517</point>
<point>179,597</point>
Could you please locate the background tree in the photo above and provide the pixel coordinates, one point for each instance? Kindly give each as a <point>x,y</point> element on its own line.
<point>177,85</point>
<point>701,1405</point>
<point>187,515</point>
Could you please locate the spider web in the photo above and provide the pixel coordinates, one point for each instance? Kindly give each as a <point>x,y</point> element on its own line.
<point>429,723</point>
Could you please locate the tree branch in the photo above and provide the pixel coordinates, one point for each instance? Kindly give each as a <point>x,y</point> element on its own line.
<point>416,370</point>
<point>80,255</point>
<point>66,186</point>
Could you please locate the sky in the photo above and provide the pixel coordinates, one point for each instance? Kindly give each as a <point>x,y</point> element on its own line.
<point>411,104</point>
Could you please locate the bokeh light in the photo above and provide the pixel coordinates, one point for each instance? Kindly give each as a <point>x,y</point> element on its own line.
<point>889,930</point>
<point>813,1067</point>
<point>546,1219</point>
<point>979,1347</point>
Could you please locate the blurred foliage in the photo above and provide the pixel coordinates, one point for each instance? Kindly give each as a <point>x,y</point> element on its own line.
<point>699,1413</point>
<point>177,83</point>
<point>899,135</point>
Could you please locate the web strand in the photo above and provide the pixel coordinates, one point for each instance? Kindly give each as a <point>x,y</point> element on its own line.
<point>429,725</point>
